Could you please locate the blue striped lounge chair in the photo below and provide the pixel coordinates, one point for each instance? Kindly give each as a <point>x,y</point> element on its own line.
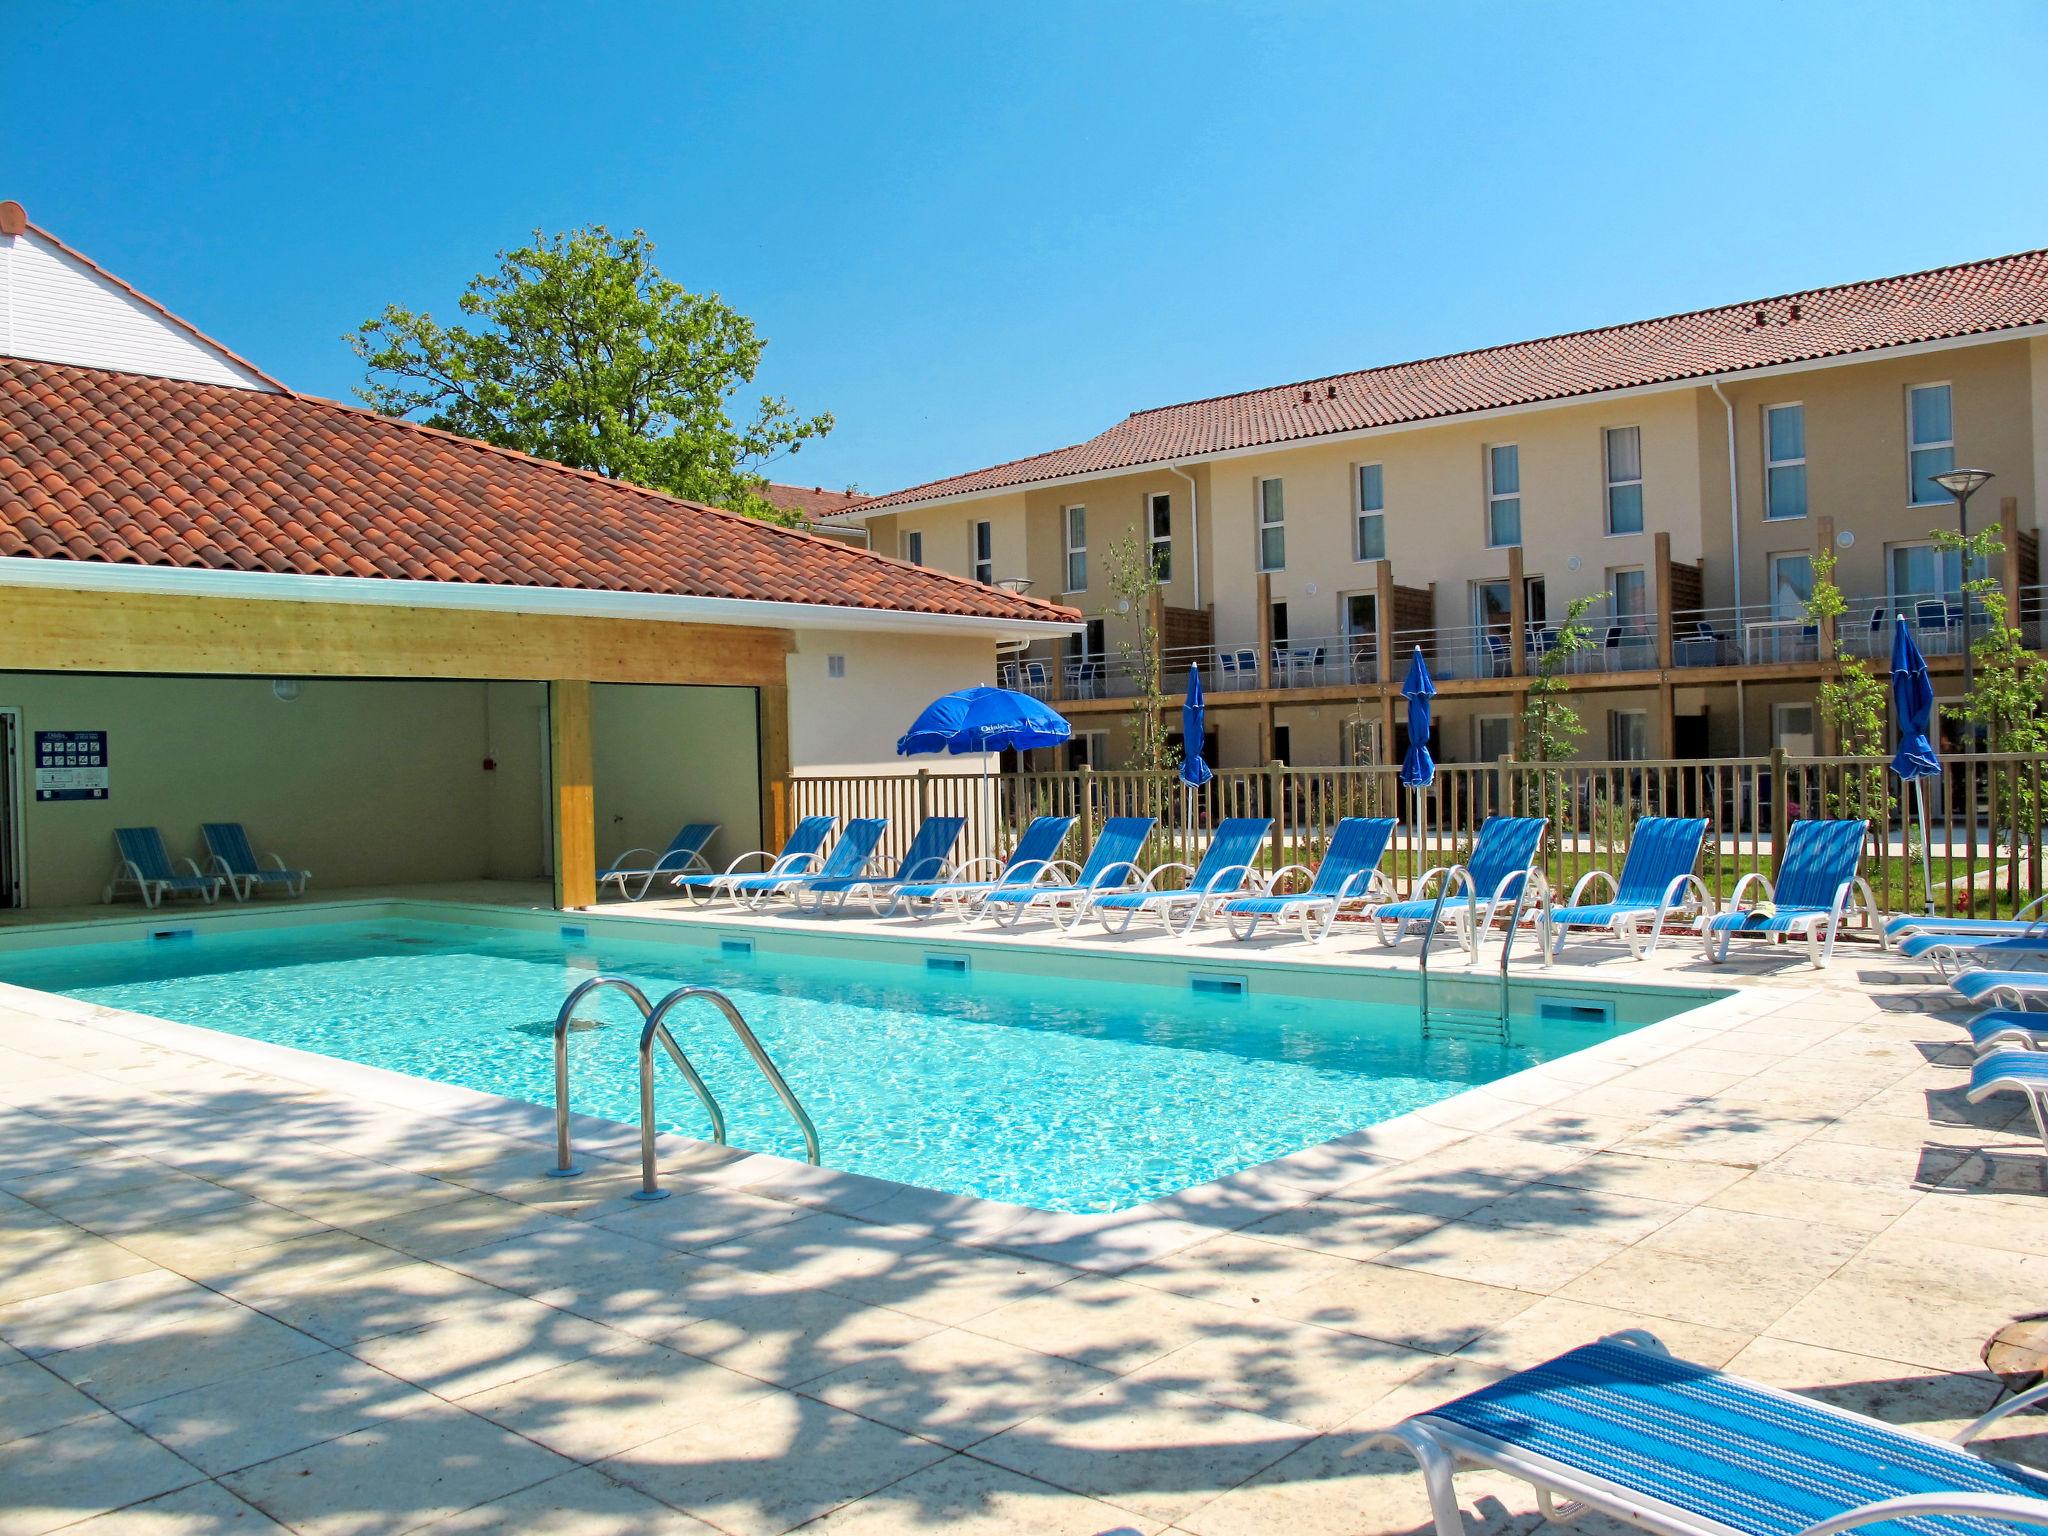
<point>1111,864</point>
<point>1953,953</point>
<point>142,865</point>
<point>1683,1450</point>
<point>1348,875</point>
<point>1817,888</point>
<point>230,856</point>
<point>1656,881</point>
<point>1033,861</point>
<point>2014,1071</point>
<point>1898,929</point>
<point>799,856</point>
<point>1226,867</point>
<point>1502,867</point>
<point>683,856</point>
<point>848,860</point>
<point>926,859</point>
<point>2026,990</point>
<point>2007,1028</point>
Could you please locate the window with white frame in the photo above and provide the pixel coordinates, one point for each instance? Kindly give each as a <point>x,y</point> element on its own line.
<point>1493,737</point>
<point>1631,589</point>
<point>1924,570</point>
<point>1371,539</point>
<point>1075,520</point>
<point>1628,735</point>
<point>1624,480</point>
<point>1159,528</point>
<point>985,552</point>
<point>911,545</point>
<point>1930,441</point>
<point>1503,495</point>
<point>1272,526</point>
<point>1784,461</point>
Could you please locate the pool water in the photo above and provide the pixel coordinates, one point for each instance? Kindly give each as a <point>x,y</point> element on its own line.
<point>1057,1093</point>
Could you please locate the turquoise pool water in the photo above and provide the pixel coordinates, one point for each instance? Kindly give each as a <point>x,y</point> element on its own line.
<point>1061,1094</point>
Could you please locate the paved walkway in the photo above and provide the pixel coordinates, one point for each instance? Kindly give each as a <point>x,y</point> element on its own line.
<point>231,1300</point>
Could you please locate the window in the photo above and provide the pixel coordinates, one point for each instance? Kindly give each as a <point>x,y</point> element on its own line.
<point>1792,728</point>
<point>1922,570</point>
<point>985,553</point>
<point>1088,645</point>
<point>1159,515</point>
<point>1503,496</point>
<point>1624,480</point>
<point>1493,737</point>
<point>1076,520</point>
<point>1372,505</point>
<point>1628,735</point>
<point>1279,624</point>
<point>1272,527</point>
<point>1631,599</point>
<point>1534,602</point>
<point>1791,585</point>
<point>1930,441</point>
<point>1283,744</point>
<point>1490,600</point>
<point>1784,461</point>
<point>912,543</point>
<point>1088,747</point>
<point>1361,614</point>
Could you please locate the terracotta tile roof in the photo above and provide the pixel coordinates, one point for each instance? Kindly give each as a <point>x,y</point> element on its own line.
<point>1979,298</point>
<point>122,468</point>
<point>813,501</point>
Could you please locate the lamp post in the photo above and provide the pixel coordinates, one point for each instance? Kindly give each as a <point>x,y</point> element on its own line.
<point>1963,484</point>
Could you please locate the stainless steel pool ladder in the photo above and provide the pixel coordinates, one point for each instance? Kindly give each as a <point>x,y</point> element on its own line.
<point>654,1026</point>
<point>1507,947</point>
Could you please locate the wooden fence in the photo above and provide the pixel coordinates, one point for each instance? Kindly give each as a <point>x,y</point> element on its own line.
<point>1983,832</point>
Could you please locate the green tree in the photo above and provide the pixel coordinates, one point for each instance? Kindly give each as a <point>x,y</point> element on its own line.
<point>1551,728</point>
<point>1133,577</point>
<point>581,351</point>
<point>1855,702</point>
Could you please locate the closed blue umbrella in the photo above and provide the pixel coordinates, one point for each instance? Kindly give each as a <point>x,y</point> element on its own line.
<point>1916,760</point>
<point>1418,768</point>
<point>1194,771</point>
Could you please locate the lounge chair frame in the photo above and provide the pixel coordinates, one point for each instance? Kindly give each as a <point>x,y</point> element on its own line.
<point>973,879</point>
<point>1441,1449</point>
<point>2008,1070</point>
<point>879,893</point>
<point>1818,925</point>
<point>128,875</point>
<point>261,871</point>
<point>757,891</point>
<point>1313,912</point>
<point>1064,887</point>
<point>671,861</point>
<point>1178,909</point>
<point>1686,898</point>
<point>2033,914</point>
<point>724,886</point>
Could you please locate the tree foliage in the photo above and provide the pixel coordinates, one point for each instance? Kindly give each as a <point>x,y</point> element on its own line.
<point>1856,703</point>
<point>579,350</point>
<point>1133,576</point>
<point>1551,728</point>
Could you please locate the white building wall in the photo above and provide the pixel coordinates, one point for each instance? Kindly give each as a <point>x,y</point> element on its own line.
<point>57,309</point>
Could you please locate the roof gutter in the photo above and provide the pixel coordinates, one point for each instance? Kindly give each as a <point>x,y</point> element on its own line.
<point>578,602</point>
<point>1194,528</point>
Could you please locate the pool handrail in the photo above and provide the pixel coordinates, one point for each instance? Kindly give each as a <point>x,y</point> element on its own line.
<point>565,1167</point>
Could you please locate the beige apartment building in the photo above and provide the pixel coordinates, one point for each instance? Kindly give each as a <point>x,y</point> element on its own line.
<point>1687,469</point>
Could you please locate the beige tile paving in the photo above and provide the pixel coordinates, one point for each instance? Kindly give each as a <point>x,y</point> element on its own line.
<point>237,1300</point>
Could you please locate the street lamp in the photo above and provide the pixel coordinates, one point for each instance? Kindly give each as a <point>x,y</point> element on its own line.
<point>1963,484</point>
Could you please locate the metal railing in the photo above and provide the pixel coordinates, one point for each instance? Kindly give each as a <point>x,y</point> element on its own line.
<point>654,1027</point>
<point>1984,838</point>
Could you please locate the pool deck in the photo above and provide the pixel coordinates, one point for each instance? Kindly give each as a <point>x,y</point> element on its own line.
<point>243,1288</point>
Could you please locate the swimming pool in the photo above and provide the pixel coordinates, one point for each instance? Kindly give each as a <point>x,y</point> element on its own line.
<point>1059,1090</point>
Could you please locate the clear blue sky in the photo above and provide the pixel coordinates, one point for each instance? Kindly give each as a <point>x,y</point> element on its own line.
<point>975,232</point>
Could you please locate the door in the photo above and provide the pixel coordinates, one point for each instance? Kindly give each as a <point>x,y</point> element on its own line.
<point>13,857</point>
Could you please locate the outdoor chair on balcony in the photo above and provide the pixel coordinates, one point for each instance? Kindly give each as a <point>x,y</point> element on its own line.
<point>1036,680</point>
<point>1817,890</point>
<point>1930,619</point>
<point>1226,666</point>
<point>144,866</point>
<point>1225,869</point>
<point>1031,862</point>
<point>1679,1449</point>
<point>2032,915</point>
<point>799,856</point>
<point>1495,649</point>
<point>1111,865</point>
<point>848,860</point>
<point>1348,876</point>
<point>231,857</point>
<point>1656,883</point>
<point>1007,676</point>
<point>683,856</point>
<point>925,860</point>
<point>1500,875</point>
<point>1247,667</point>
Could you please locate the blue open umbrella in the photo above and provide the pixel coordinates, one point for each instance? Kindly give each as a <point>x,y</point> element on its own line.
<point>1916,760</point>
<point>1418,768</point>
<point>983,720</point>
<point>1194,771</point>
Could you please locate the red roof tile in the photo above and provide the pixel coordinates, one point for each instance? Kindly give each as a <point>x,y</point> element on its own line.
<point>126,469</point>
<point>1979,298</point>
<point>813,501</point>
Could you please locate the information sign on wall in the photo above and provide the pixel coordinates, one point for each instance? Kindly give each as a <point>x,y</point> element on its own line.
<point>71,765</point>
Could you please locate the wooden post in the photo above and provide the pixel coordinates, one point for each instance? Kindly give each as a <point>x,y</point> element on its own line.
<point>1667,719</point>
<point>1276,775</point>
<point>1265,633</point>
<point>1824,543</point>
<point>1084,808</point>
<point>2009,565</point>
<point>570,771</point>
<point>771,729</point>
<point>1781,812</point>
<point>1518,614</point>
<point>1662,577</point>
<point>1384,665</point>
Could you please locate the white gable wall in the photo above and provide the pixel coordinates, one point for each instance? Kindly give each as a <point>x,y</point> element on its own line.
<point>56,309</point>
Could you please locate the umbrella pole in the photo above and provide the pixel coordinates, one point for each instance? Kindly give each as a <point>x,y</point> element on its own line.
<point>1926,858</point>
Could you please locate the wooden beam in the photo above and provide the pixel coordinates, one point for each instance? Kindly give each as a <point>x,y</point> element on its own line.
<point>1662,577</point>
<point>2009,563</point>
<point>772,734</point>
<point>1265,618</point>
<point>1383,626</point>
<point>1518,614</point>
<point>48,630</point>
<point>571,774</point>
